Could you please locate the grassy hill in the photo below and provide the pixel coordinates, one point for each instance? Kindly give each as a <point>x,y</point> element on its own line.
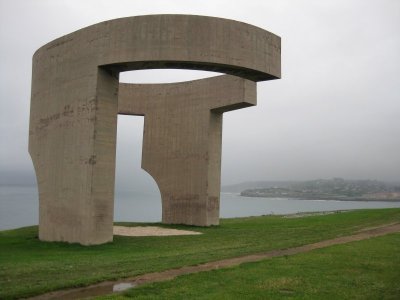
<point>30,267</point>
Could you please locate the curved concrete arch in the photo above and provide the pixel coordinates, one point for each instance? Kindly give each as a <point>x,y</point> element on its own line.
<point>74,104</point>
<point>169,41</point>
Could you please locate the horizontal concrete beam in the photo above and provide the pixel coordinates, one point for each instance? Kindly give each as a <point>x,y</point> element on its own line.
<point>220,94</point>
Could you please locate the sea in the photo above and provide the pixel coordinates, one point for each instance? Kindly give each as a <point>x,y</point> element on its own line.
<point>19,206</point>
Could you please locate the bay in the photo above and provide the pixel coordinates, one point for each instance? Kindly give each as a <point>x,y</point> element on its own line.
<point>19,206</point>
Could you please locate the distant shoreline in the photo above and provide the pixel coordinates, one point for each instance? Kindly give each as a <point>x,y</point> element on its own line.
<point>325,199</point>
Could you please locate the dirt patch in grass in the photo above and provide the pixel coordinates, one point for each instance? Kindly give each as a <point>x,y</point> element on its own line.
<point>150,231</point>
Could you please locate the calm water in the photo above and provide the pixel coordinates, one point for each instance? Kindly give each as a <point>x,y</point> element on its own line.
<point>19,206</point>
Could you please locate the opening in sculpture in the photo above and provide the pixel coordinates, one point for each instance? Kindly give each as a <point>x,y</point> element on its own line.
<point>76,97</point>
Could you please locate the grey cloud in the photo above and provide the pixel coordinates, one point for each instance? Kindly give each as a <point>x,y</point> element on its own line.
<point>334,112</point>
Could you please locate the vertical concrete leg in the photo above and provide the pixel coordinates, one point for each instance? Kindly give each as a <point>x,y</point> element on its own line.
<point>72,145</point>
<point>214,168</point>
<point>101,211</point>
<point>180,153</point>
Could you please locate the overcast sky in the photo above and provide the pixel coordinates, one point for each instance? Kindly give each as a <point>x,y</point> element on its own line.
<point>334,113</point>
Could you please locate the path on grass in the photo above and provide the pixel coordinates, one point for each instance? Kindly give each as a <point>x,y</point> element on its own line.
<point>109,287</point>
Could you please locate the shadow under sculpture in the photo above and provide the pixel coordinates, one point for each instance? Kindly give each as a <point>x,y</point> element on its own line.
<point>74,107</point>
<point>182,140</point>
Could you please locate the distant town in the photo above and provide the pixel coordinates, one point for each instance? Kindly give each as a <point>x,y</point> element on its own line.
<point>330,189</point>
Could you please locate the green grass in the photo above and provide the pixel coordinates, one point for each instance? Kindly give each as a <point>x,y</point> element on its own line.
<point>30,267</point>
<point>369,269</point>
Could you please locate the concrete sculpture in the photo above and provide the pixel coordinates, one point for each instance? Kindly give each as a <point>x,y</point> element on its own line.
<point>182,140</point>
<point>76,97</point>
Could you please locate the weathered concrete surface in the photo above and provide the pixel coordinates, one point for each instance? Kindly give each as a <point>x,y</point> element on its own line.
<point>182,140</point>
<point>74,104</point>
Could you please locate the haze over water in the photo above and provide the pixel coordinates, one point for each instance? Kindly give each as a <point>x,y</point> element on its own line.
<point>19,206</point>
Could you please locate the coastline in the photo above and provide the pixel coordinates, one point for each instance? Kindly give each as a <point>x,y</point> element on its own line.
<point>326,199</point>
